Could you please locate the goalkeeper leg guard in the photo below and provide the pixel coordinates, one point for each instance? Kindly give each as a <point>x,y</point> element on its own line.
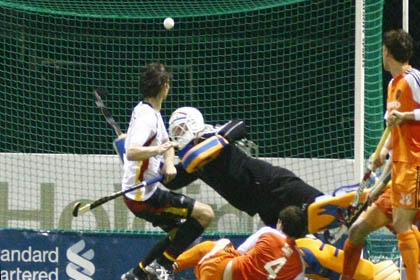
<point>327,261</point>
<point>387,270</point>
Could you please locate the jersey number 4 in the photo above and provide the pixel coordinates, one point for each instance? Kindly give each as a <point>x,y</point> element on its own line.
<point>274,267</point>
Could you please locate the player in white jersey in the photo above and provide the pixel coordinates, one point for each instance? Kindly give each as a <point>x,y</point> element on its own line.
<point>149,153</point>
<point>142,117</point>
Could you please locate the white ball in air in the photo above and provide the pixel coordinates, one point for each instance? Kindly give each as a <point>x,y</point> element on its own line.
<point>169,23</point>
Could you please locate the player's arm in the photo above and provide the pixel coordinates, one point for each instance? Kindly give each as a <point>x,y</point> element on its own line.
<point>400,117</point>
<point>250,242</point>
<point>181,179</point>
<point>379,186</point>
<point>138,152</point>
<point>233,130</point>
<point>168,168</point>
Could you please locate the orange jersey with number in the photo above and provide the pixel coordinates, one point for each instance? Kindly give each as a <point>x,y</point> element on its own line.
<point>404,96</point>
<point>273,256</point>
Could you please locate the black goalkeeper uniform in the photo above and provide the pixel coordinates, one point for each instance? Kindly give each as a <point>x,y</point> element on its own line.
<point>251,185</point>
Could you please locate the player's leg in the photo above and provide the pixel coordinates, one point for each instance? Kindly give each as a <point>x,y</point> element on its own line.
<point>147,212</point>
<point>156,250</point>
<point>181,216</point>
<point>192,256</point>
<point>191,229</point>
<point>209,259</point>
<point>417,234</point>
<point>375,217</point>
<point>404,201</point>
<point>407,241</point>
<point>217,266</point>
<point>197,216</point>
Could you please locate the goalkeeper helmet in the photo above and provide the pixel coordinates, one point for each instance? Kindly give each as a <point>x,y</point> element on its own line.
<point>184,125</point>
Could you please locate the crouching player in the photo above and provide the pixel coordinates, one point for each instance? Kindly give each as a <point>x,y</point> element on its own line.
<point>281,253</point>
<point>267,254</point>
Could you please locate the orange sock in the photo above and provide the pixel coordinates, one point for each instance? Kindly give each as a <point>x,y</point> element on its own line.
<point>192,256</point>
<point>409,249</point>
<point>417,233</point>
<point>352,254</point>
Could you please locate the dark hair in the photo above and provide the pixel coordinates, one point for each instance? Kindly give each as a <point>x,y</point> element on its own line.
<point>153,77</point>
<point>400,44</point>
<point>293,220</point>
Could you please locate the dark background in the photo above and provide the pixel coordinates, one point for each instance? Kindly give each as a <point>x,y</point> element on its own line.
<point>393,19</point>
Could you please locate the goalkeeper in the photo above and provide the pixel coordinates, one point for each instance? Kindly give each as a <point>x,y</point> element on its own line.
<point>251,185</point>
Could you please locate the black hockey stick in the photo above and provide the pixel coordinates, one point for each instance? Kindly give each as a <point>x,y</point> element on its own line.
<point>381,184</point>
<point>366,177</point>
<point>78,209</point>
<point>101,93</point>
<point>348,221</point>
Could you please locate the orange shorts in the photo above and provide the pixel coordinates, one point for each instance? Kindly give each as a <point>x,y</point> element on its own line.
<point>405,185</point>
<point>384,204</point>
<point>384,201</point>
<point>213,267</point>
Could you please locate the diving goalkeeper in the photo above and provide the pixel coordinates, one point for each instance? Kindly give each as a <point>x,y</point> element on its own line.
<point>249,184</point>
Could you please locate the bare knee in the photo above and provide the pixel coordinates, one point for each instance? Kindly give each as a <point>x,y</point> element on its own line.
<point>358,232</point>
<point>368,222</point>
<point>203,213</point>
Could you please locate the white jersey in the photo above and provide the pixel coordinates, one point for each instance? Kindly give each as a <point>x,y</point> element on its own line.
<point>146,129</point>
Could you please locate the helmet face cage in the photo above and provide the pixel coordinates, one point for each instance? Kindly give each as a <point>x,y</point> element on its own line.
<point>181,134</point>
<point>184,125</point>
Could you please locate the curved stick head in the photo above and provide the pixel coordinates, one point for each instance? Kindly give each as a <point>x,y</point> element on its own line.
<point>102,92</point>
<point>76,209</point>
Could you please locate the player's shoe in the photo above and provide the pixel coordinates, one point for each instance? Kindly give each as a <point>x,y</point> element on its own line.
<point>159,271</point>
<point>130,276</point>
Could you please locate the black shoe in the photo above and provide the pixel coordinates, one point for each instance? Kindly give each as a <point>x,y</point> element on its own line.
<point>160,272</point>
<point>130,276</point>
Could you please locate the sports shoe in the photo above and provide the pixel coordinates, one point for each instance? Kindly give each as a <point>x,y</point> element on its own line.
<point>159,271</point>
<point>130,276</point>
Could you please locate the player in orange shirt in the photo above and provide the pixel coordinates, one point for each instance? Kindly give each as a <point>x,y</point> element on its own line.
<point>403,117</point>
<point>267,254</point>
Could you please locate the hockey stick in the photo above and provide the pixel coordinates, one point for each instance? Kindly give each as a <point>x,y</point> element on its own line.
<point>366,177</point>
<point>78,209</point>
<point>380,184</point>
<point>349,220</point>
<point>99,94</point>
<point>118,143</point>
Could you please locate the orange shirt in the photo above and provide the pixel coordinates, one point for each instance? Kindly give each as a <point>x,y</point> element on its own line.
<point>404,96</point>
<point>271,255</point>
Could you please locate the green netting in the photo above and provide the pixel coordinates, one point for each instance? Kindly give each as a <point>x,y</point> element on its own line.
<point>248,62</point>
<point>144,9</point>
<point>382,245</point>
<point>285,67</point>
<point>374,121</point>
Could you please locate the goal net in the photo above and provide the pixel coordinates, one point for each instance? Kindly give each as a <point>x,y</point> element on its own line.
<point>285,67</point>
